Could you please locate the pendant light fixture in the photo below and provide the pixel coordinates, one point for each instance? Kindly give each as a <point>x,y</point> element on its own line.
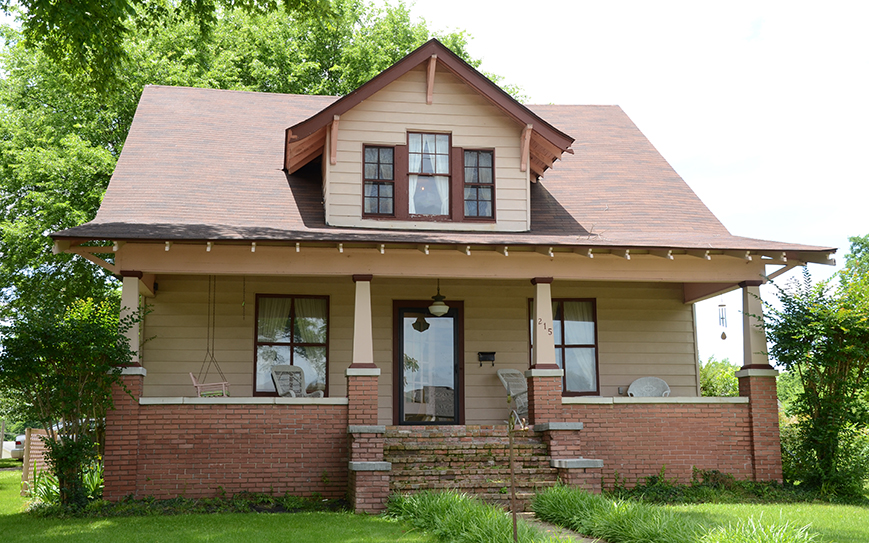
<point>438,308</point>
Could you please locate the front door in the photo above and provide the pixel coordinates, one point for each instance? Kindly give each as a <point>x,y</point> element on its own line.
<point>428,365</point>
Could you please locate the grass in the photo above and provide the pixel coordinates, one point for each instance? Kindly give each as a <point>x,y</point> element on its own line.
<point>832,523</point>
<point>212,528</point>
<point>9,463</point>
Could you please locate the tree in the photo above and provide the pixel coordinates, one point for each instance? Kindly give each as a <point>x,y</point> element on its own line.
<point>87,37</point>
<point>718,378</point>
<point>59,140</point>
<point>821,334</point>
<point>59,367</point>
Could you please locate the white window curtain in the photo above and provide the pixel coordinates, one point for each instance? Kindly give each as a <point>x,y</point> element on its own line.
<point>443,187</point>
<point>578,323</point>
<point>274,316</point>
<point>412,181</point>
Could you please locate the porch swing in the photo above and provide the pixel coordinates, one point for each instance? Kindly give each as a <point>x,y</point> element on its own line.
<point>210,390</point>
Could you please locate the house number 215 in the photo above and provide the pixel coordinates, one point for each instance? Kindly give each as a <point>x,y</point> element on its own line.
<point>545,325</point>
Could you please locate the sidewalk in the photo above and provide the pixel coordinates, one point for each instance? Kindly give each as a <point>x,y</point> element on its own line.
<point>562,534</point>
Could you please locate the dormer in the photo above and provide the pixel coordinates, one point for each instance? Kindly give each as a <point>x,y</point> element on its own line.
<point>429,144</point>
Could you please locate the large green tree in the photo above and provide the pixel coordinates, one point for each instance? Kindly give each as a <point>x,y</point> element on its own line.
<point>59,140</point>
<point>820,334</point>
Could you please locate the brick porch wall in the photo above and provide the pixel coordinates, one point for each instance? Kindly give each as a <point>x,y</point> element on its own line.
<point>204,450</point>
<point>636,439</point>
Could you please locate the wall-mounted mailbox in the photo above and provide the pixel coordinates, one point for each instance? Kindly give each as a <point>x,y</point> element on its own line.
<point>486,357</point>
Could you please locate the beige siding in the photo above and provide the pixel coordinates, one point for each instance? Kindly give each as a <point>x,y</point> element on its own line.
<point>385,119</point>
<point>643,329</point>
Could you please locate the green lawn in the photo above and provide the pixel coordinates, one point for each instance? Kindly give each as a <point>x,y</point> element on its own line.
<point>240,528</point>
<point>833,523</point>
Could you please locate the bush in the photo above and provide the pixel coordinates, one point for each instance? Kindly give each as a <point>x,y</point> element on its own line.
<point>718,378</point>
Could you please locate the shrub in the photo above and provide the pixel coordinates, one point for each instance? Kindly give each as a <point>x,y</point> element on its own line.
<point>718,378</point>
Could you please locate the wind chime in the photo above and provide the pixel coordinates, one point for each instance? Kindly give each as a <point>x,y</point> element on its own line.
<point>722,319</point>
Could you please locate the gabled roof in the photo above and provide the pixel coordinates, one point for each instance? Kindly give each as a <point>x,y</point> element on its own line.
<point>206,165</point>
<point>546,143</point>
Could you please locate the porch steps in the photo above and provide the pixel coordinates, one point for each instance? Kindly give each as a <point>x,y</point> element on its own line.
<point>470,459</point>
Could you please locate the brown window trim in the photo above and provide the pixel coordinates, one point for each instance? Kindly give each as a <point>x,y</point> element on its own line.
<point>563,346</point>
<point>378,181</point>
<point>493,218</point>
<point>257,343</point>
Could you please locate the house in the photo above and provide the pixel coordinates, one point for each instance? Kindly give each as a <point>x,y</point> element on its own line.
<point>401,244</point>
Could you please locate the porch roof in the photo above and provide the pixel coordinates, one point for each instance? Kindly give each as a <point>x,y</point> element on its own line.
<point>206,165</point>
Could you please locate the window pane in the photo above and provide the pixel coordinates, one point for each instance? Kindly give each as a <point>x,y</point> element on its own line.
<point>485,194</point>
<point>371,171</point>
<point>310,321</point>
<point>414,162</point>
<point>386,190</point>
<point>414,141</point>
<point>485,175</point>
<point>470,208</point>
<point>470,193</point>
<point>443,164</point>
<point>386,155</point>
<point>266,357</point>
<point>443,144</point>
<point>484,209</point>
<point>428,143</point>
<point>386,206</point>
<point>371,154</point>
<point>579,371</point>
<point>370,189</point>
<point>386,172</point>
<point>370,205</point>
<point>486,159</point>
<point>470,158</point>
<point>427,164</point>
<point>273,323</point>
<point>578,323</point>
<point>471,175</point>
<point>313,361</point>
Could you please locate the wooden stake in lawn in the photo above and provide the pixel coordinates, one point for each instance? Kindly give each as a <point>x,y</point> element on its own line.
<point>511,428</point>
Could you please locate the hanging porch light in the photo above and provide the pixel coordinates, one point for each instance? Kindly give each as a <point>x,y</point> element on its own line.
<point>438,308</point>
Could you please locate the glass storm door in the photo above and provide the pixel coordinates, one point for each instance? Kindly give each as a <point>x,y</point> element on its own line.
<point>428,364</point>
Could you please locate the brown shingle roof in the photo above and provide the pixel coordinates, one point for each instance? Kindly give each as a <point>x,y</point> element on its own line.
<point>202,164</point>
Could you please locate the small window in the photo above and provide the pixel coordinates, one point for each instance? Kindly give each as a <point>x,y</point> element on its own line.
<point>575,333</point>
<point>291,330</point>
<point>379,196</point>
<point>479,184</point>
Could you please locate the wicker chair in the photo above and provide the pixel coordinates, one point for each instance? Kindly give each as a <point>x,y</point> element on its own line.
<point>290,382</point>
<point>517,389</point>
<point>649,387</point>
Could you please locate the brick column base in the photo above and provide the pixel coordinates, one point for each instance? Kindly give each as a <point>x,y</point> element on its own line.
<point>544,395</point>
<point>583,473</point>
<point>369,488</point>
<point>121,461</point>
<point>564,448</point>
<point>759,386</point>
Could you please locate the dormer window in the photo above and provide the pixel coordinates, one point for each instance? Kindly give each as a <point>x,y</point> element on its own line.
<point>479,184</point>
<point>428,181</point>
<point>379,173</point>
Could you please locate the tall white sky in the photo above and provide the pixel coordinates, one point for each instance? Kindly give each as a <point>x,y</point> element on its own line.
<point>762,107</point>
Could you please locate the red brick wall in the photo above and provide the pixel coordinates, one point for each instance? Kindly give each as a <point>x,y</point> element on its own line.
<point>544,399</point>
<point>635,440</point>
<point>204,450</point>
<point>764,425</point>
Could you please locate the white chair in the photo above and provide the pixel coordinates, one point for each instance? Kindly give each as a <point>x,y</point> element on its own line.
<point>290,382</point>
<point>517,389</point>
<point>206,390</point>
<point>649,387</point>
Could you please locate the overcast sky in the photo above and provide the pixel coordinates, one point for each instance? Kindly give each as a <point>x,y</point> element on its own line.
<point>760,106</point>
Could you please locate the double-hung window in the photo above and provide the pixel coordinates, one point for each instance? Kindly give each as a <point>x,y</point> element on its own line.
<point>428,180</point>
<point>574,329</point>
<point>379,174</point>
<point>291,330</point>
<point>479,184</point>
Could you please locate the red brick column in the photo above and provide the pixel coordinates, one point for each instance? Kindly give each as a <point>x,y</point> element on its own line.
<point>544,395</point>
<point>122,437</point>
<point>759,386</point>
<point>368,481</point>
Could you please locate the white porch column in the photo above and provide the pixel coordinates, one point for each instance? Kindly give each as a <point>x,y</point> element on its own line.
<point>544,339</point>
<point>130,306</point>
<point>363,343</point>
<point>753,336</point>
